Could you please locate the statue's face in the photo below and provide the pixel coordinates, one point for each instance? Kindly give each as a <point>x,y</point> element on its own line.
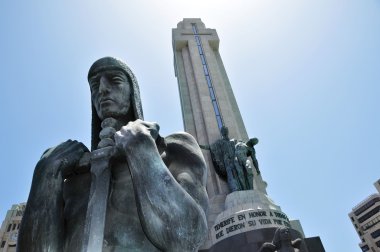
<point>224,132</point>
<point>285,234</point>
<point>110,93</point>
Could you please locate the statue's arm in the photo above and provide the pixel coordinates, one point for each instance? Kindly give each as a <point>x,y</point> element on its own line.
<point>171,203</point>
<point>268,247</point>
<point>297,243</point>
<point>42,225</point>
<point>204,147</point>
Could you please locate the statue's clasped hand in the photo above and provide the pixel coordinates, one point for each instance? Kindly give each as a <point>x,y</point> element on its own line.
<point>65,157</point>
<point>136,133</point>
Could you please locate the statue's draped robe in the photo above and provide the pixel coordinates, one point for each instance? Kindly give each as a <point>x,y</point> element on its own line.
<point>56,210</point>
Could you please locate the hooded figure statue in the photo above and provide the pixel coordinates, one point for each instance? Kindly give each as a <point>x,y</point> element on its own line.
<point>111,63</point>
<point>156,198</point>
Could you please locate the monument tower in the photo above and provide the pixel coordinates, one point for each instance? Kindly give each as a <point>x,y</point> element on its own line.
<point>238,219</point>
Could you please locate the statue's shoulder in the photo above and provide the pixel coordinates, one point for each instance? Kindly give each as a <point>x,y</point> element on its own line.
<point>183,146</point>
<point>181,139</point>
<point>183,154</point>
<point>62,147</point>
<point>64,158</point>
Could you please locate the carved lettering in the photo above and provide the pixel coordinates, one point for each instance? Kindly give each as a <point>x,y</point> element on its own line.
<point>257,214</point>
<point>281,215</point>
<point>235,227</point>
<point>220,234</point>
<point>265,221</point>
<point>224,223</point>
<point>252,223</point>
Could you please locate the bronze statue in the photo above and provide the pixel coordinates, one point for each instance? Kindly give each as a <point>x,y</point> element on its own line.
<point>282,242</point>
<point>230,158</point>
<point>154,187</point>
<point>243,166</point>
<point>252,152</point>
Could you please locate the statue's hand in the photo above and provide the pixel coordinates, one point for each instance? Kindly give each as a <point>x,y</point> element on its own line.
<point>65,157</point>
<point>135,133</point>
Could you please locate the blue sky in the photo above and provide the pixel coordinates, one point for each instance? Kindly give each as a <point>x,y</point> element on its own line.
<point>306,76</point>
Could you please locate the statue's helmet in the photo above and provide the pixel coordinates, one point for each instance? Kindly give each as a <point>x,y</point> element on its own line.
<point>111,63</point>
<point>224,131</point>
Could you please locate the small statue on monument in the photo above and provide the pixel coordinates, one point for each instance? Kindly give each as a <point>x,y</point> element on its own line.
<point>230,158</point>
<point>135,191</point>
<point>252,152</point>
<point>243,164</point>
<point>282,242</point>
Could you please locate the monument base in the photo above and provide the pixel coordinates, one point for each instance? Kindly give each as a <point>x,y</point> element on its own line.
<point>249,220</point>
<point>250,241</point>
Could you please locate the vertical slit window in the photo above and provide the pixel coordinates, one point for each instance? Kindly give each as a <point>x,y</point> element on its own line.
<point>219,120</point>
<point>208,79</point>
<point>205,69</point>
<point>216,109</point>
<point>212,94</point>
<point>198,40</point>
<point>194,29</point>
<point>200,49</point>
<point>203,59</point>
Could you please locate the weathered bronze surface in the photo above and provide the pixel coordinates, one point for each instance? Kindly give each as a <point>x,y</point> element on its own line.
<point>282,242</point>
<point>230,158</point>
<point>155,199</point>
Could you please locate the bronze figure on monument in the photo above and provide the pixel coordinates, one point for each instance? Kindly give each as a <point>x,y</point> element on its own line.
<point>134,191</point>
<point>230,158</point>
<point>282,242</point>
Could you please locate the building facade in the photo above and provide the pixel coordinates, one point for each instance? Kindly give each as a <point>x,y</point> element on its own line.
<point>238,220</point>
<point>366,219</point>
<point>10,226</point>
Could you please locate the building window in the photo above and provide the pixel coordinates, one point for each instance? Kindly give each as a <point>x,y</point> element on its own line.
<point>369,214</point>
<point>375,234</point>
<point>378,244</point>
<point>14,226</point>
<point>366,206</point>
<point>371,223</point>
<point>365,248</point>
<point>9,227</point>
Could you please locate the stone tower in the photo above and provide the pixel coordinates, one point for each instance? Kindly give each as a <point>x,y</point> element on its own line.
<point>239,220</point>
<point>207,99</point>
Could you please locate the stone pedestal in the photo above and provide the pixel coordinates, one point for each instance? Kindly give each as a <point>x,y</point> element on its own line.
<point>250,218</point>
